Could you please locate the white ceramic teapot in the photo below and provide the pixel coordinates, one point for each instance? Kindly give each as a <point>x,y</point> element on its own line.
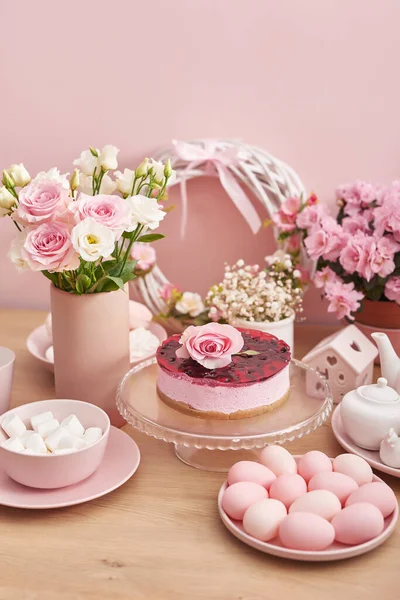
<point>369,412</point>
<point>390,362</point>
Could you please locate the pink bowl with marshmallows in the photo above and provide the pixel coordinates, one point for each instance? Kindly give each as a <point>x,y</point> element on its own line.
<point>50,471</point>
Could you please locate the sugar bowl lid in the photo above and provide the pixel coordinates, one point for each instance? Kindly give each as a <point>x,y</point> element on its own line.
<point>379,391</point>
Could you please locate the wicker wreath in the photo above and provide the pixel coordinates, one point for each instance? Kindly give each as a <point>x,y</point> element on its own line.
<point>234,162</point>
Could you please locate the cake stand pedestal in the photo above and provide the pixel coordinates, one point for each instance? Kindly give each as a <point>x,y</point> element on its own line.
<point>215,444</point>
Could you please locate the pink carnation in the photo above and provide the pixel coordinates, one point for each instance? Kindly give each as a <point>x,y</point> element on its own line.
<point>356,196</point>
<point>387,216</point>
<point>343,299</point>
<point>285,217</point>
<point>49,248</point>
<point>392,289</point>
<point>144,254</point>
<point>325,278</point>
<point>40,202</point>
<point>111,211</point>
<point>211,345</point>
<point>311,216</point>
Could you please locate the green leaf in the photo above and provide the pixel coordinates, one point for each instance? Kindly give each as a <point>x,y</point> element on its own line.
<point>52,276</point>
<point>151,237</point>
<point>128,235</point>
<point>118,281</point>
<point>83,283</point>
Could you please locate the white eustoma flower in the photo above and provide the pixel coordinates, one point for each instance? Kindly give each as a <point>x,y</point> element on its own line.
<point>190,304</point>
<point>125,181</point>
<point>87,163</point>
<point>53,175</point>
<point>108,185</point>
<point>19,175</point>
<point>144,211</point>
<point>158,169</point>
<point>7,201</point>
<point>92,240</point>
<point>108,157</point>
<point>15,253</point>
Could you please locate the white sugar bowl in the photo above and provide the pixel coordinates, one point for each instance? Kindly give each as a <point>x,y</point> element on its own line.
<point>368,413</point>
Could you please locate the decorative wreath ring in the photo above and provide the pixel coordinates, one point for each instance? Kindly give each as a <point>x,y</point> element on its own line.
<point>270,180</point>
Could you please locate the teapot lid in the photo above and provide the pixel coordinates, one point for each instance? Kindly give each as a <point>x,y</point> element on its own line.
<point>379,391</point>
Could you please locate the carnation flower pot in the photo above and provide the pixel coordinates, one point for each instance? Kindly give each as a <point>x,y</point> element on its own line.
<point>91,347</point>
<point>380,316</point>
<point>283,329</point>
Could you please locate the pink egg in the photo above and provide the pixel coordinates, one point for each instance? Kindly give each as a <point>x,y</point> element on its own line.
<point>319,502</point>
<point>306,531</point>
<point>377,493</point>
<point>278,459</point>
<point>247,470</point>
<point>312,463</point>
<point>287,488</point>
<point>262,519</point>
<point>358,523</point>
<point>337,483</point>
<point>354,466</point>
<point>238,497</point>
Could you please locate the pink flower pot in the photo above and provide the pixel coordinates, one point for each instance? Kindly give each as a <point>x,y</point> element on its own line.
<point>91,347</point>
<point>380,316</point>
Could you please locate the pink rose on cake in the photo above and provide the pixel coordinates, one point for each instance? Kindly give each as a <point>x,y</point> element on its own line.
<point>211,345</point>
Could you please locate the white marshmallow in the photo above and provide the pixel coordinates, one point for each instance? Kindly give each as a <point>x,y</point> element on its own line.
<point>13,443</point>
<point>41,418</point>
<point>63,451</point>
<point>36,443</point>
<point>73,425</point>
<point>57,437</point>
<point>26,436</point>
<point>44,429</point>
<point>92,435</point>
<point>79,443</point>
<point>13,426</point>
<point>71,442</point>
<point>49,354</point>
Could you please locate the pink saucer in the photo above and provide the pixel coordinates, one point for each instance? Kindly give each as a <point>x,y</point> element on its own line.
<point>370,456</point>
<point>120,462</point>
<point>336,551</point>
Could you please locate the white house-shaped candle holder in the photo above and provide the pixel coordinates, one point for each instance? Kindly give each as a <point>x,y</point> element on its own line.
<point>345,359</point>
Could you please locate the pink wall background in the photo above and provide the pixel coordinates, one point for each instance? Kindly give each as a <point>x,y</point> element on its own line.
<point>314,82</point>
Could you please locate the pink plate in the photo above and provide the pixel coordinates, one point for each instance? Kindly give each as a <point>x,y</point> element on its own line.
<point>370,456</point>
<point>336,551</point>
<point>120,462</point>
<point>38,341</point>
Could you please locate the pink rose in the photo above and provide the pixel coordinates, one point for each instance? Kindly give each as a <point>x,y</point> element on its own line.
<point>285,217</point>
<point>49,248</point>
<point>42,201</point>
<point>144,254</point>
<point>211,345</point>
<point>167,291</point>
<point>392,289</point>
<point>343,299</point>
<point>111,211</point>
<point>311,216</point>
<point>325,278</point>
<point>387,216</point>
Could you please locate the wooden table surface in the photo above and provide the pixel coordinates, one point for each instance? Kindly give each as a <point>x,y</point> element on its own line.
<point>159,536</point>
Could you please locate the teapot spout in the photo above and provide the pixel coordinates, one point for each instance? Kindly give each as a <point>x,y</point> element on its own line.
<point>390,362</point>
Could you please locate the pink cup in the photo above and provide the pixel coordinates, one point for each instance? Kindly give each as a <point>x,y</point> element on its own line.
<point>7,358</point>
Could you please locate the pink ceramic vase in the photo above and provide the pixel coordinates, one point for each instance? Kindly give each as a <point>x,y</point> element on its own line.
<point>91,347</point>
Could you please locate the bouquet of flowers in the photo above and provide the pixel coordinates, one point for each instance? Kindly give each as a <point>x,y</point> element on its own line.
<point>247,292</point>
<point>358,252</point>
<point>79,231</point>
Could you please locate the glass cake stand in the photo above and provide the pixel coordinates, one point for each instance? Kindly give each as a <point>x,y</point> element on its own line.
<point>208,443</point>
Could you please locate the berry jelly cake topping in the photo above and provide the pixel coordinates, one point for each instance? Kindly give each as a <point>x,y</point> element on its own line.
<point>262,356</point>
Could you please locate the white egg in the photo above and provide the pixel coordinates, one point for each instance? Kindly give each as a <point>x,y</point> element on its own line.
<point>278,460</point>
<point>319,502</point>
<point>262,519</point>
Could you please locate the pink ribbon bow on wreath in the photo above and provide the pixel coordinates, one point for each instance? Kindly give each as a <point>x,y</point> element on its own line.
<point>216,162</point>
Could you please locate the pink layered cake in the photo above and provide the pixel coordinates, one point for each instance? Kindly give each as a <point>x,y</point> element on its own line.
<point>255,380</point>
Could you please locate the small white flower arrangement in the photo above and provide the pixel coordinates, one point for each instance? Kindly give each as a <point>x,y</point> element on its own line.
<point>86,233</point>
